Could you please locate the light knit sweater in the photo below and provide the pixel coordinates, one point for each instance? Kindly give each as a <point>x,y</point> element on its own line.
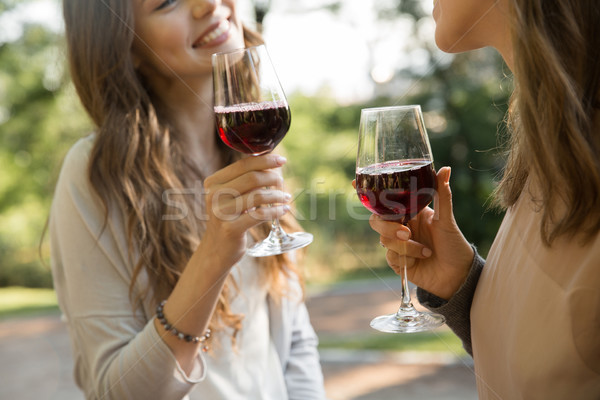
<point>531,316</point>
<point>118,352</point>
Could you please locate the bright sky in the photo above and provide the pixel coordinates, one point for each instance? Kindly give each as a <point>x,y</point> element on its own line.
<point>40,11</point>
<point>315,49</point>
<point>311,48</point>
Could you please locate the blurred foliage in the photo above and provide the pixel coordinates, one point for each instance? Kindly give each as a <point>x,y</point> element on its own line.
<point>40,118</point>
<point>464,104</point>
<point>20,301</point>
<point>442,341</point>
<point>6,5</point>
<point>462,110</point>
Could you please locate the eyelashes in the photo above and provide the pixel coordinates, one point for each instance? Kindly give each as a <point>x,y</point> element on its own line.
<point>165,4</point>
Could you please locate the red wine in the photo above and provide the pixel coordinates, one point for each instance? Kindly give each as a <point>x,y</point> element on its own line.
<point>396,190</point>
<point>253,128</point>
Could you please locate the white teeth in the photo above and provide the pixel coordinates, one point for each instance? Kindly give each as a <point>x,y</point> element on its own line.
<point>218,31</point>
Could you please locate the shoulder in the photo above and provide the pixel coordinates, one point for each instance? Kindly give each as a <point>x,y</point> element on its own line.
<point>76,161</point>
<point>73,188</point>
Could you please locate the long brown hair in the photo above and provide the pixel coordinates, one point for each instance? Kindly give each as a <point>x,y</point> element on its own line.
<point>137,155</point>
<point>551,116</point>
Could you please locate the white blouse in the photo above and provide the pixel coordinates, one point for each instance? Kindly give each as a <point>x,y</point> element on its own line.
<point>252,369</point>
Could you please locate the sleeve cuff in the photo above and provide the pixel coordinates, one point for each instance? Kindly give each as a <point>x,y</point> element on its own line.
<point>457,310</point>
<point>198,372</point>
<point>467,289</point>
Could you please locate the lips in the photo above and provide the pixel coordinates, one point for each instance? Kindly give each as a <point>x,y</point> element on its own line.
<point>214,33</point>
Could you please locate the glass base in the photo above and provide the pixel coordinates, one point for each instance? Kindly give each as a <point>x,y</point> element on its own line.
<point>407,320</point>
<point>277,243</point>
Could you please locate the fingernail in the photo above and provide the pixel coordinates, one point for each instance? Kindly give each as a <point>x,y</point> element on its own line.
<point>287,196</point>
<point>426,252</point>
<point>281,160</point>
<point>402,235</point>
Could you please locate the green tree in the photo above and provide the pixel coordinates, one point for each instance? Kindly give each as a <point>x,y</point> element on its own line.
<point>39,120</point>
<point>464,104</point>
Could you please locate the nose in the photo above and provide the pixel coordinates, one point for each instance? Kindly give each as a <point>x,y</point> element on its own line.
<point>201,8</point>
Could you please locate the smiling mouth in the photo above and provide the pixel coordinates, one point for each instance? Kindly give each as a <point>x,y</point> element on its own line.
<point>219,30</point>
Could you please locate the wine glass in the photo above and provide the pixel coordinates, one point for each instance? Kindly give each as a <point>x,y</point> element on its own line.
<point>252,117</point>
<point>395,179</point>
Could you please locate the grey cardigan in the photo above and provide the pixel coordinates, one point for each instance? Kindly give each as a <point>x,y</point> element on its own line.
<point>457,310</point>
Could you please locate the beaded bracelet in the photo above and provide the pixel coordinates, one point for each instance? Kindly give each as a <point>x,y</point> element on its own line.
<point>180,335</point>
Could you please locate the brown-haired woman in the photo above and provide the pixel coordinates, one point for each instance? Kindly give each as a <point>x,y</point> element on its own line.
<point>531,316</point>
<point>151,207</point>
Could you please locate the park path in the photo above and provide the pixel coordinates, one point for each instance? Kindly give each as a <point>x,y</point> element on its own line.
<point>35,355</point>
<point>345,311</point>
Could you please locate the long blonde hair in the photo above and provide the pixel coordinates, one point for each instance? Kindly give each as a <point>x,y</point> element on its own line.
<point>551,116</point>
<point>137,155</point>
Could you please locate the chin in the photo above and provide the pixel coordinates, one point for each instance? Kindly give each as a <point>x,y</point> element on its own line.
<point>455,43</point>
<point>445,45</point>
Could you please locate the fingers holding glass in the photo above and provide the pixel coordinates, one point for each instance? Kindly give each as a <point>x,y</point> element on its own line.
<point>252,116</point>
<point>413,251</point>
<point>395,179</point>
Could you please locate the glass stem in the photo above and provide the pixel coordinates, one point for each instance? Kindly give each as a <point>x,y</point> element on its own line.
<point>277,233</point>
<point>406,302</point>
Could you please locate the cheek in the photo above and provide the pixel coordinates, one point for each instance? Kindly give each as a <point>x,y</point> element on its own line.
<point>167,40</point>
<point>166,47</point>
<point>154,41</point>
<point>444,26</point>
<point>455,27</point>
<point>436,11</point>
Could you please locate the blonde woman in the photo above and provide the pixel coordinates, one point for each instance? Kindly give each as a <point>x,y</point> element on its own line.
<point>147,238</point>
<point>530,313</point>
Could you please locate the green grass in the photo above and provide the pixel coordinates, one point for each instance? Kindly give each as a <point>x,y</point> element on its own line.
<point>381,272</point>
<point>441,341</point>
<point>19,301</point>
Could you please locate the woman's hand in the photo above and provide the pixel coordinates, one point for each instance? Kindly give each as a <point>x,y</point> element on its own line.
<point>438,257</point>
<point>236,199</point>
<point>239,197</point>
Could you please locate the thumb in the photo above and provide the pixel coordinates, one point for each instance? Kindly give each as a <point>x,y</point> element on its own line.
<point>443,198</point>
